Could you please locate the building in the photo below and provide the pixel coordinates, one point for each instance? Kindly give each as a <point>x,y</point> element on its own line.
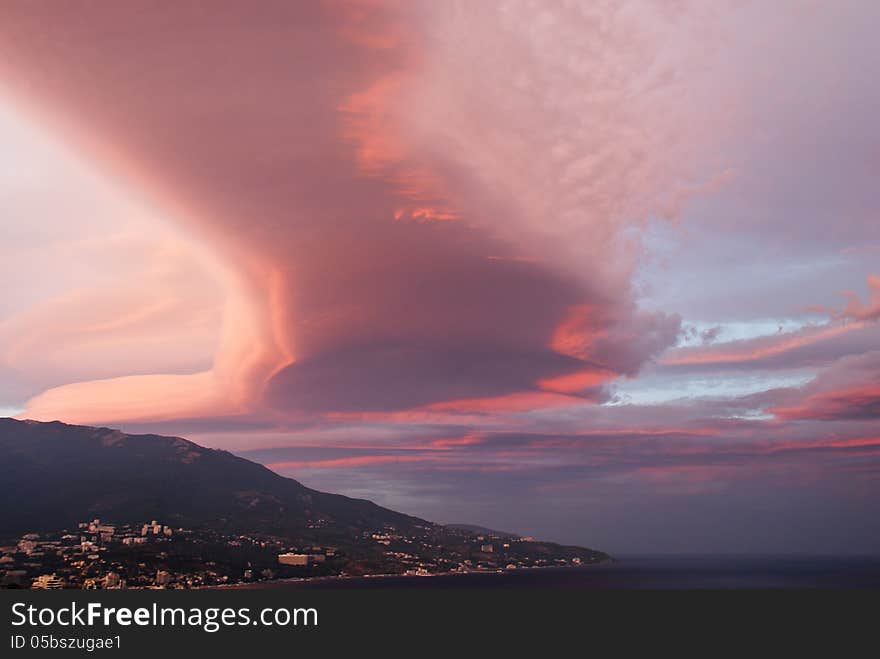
<point>47,582</point>
<point>293,559</point>
<point>112,580</point>
<point>487,549</point>
<point>27,546</point>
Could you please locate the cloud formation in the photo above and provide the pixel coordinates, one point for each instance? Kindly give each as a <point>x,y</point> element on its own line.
<point>393,190</point>
<point>581,255</point>
<point>870,310</point>
<point>849,389</point>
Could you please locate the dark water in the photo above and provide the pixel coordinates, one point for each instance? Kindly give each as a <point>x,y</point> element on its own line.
<point>649,572</point>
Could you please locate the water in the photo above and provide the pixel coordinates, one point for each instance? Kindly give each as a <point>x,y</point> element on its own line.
<point>649,572</point>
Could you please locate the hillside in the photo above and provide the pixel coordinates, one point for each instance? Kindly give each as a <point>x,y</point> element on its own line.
<point>53,475</point>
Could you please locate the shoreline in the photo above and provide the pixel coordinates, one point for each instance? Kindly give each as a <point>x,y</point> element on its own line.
<point>293,581</point>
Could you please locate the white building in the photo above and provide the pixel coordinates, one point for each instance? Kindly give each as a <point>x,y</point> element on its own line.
<point>293,559</point>
<point>47,582</point>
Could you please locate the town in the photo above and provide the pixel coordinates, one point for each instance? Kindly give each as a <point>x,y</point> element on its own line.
<point>153,555</point>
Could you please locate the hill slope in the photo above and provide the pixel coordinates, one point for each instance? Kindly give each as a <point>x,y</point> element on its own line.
<point>53,475</point>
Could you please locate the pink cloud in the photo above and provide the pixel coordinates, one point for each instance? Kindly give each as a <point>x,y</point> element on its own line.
<point>762,349</point>
<point>347,463</point>
<point>856,310</point>
<point>850,389</point>
<point>316,163</point>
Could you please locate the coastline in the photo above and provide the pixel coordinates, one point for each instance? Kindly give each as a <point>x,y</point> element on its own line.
<point>357,578</point>
<point>652,572</point>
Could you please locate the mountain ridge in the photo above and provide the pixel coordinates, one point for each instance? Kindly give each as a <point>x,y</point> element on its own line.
<point>58,474</point>
<point>90,505</point>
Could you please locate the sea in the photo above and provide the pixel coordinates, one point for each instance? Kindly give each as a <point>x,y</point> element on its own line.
<point>666,572</point>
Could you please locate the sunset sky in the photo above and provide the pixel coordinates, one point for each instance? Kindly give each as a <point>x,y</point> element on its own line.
<point>602,272</point>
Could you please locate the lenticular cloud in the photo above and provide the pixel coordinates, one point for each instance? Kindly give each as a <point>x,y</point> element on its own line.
<point>412,202</point>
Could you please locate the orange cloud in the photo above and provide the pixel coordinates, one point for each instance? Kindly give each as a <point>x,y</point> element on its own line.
<point>576,382</point>
<point>573,336</point>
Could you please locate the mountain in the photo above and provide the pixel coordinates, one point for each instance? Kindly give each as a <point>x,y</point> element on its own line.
<point>53,475</point>
<point>221,519</point>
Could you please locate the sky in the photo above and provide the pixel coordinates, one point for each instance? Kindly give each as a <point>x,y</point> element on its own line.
<point>602,272</point>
